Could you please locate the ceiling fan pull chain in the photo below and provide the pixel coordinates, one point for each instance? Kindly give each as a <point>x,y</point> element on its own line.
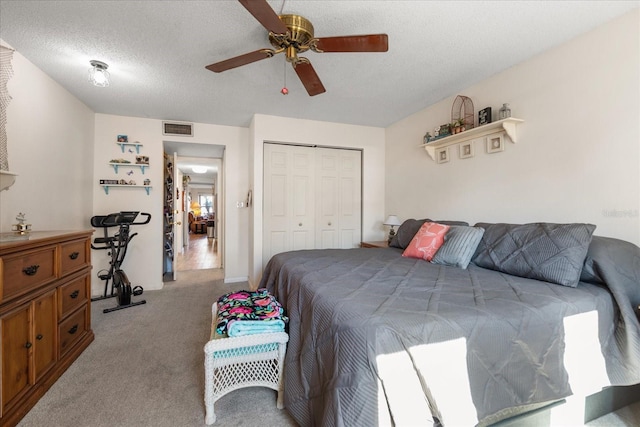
<point>284,89</point>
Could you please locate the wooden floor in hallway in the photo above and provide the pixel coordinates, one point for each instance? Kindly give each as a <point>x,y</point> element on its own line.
<point>201,253</point>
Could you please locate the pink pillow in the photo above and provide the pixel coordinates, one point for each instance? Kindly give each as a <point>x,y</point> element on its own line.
<point>427,241</point>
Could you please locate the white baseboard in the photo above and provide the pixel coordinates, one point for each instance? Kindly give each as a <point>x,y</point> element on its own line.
<point>236,279</point>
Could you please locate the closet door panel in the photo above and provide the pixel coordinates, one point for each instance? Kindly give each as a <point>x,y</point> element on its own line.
<point>302,198</point>
<point>289,201</point>
<point>312,198</point>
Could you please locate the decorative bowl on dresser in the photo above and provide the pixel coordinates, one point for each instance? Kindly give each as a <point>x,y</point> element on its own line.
<point>45,314</point>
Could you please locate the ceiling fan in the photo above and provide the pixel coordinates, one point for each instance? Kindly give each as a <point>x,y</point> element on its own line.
<point>293,34</point>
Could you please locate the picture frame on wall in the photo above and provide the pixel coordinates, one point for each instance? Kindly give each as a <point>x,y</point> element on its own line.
<point>442,155</point>
<point>142,160</point>
<point>484,116</point>
<point>495,143</point>
<point>123,138</point>
<point>465,150</point>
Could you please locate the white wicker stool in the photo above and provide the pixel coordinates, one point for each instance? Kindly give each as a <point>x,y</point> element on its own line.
<point>238,362</point>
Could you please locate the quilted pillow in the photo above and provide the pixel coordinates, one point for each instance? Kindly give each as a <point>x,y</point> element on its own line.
<point>460,244</point>
<point>427,241</point>
<point>544,251</point>
<point>614,263</point>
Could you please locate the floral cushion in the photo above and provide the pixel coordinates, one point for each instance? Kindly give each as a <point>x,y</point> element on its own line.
<point>427,241</point>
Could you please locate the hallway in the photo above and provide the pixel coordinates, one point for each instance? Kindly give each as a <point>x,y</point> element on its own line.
<point>202,253</point>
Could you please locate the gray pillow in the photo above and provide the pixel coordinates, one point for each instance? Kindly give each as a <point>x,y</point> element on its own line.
<point>459,245</point>
<point>544,251</point>
<point>405,233</point>
<point>410,227</point>
<point>610,259</point>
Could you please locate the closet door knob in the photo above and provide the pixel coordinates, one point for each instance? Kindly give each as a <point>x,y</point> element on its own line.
<point>300,224</point>
<point>329,224</point>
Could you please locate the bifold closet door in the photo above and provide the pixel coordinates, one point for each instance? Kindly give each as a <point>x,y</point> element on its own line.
<point>338,198</point>
<point>312,198</point>
<point>289,205</point>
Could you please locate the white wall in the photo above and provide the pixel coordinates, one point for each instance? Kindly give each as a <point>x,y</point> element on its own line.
<point>143,263</point>
<point>282,129</point>
<point>50,147</point>
<point>578,154</point>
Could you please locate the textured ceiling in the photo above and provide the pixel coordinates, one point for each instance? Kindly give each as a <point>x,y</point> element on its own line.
<point>157,51</point>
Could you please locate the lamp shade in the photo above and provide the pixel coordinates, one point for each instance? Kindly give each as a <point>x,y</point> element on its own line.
<point>195,207</point>
<point>392,220</point>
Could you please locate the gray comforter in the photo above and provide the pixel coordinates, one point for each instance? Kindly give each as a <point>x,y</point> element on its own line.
<point>376,338</point>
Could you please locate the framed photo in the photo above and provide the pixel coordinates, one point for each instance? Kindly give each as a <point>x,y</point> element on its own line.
<point>142,160</point>
<point>123,138</point>
<point>465,150</point>
<point>484,116</point>
<point>442,155</point>
<point>495,143</point>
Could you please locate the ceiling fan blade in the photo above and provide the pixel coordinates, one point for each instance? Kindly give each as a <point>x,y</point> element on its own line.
<point>309,78</point>
<point>237,61</point>
<point>261,10</point>
<point>365,43</point>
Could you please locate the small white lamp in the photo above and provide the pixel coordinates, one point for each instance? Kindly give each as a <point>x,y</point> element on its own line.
<point>392,221</point>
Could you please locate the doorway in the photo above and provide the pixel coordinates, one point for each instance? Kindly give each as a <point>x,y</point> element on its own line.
<point>193,228</point>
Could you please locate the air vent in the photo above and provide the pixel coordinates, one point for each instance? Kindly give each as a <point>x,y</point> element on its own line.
<point>175,128</point>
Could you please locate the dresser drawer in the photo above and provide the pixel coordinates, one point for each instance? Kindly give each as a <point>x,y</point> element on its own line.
<point>71,296</point>
<point>26,271</point>
<point>73,256</point>
<point>72,329</point>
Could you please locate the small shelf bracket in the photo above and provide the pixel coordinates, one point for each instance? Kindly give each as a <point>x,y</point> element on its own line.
<point>106,187</point>
<point>134,144</point>
<point>128,165</point>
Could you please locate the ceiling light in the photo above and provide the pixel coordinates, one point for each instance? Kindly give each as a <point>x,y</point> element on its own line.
<point>98,74</point>
<point>199,169</point>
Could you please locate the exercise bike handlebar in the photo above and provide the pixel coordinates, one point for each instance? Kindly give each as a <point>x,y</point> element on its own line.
<point>145,221</point>
<point>123,220</point>
<point>119,218</point>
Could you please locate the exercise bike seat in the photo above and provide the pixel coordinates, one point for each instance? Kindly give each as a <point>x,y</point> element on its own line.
<point>103,240</point>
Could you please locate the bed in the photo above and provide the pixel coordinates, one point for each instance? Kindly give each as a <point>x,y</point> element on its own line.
<point>378,338</point>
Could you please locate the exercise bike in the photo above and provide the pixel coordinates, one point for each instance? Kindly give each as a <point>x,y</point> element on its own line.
<point>117,245</point>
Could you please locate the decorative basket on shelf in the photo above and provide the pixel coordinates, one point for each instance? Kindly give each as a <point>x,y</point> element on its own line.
<point>462,114</point>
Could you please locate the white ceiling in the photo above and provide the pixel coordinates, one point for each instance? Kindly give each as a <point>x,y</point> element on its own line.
<point>157,51</point>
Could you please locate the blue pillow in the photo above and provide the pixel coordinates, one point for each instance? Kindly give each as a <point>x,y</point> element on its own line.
<point>460,244</point>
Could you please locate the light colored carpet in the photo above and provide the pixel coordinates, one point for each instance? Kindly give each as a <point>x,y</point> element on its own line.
<point>146,368</point>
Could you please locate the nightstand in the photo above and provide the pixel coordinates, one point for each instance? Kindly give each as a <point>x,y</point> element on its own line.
<point>379,244</point>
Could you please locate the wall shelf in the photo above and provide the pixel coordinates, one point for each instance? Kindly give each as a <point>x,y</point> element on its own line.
<point>505,125</point>
<point>106,187</point>
<point>128,165</point>
<point>133,144</point>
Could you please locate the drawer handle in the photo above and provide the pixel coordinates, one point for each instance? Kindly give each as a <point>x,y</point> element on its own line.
<point>74,255</point>
<point>28,345</point>
<point>31,270</point>
<point>39,337</point>
<point>74,329</point>
<point>75,294</point>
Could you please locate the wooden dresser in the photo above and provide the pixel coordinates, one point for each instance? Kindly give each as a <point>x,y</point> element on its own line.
<point>45,314</point>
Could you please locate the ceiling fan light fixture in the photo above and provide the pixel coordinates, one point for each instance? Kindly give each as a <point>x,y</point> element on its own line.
<point>98,74</point>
